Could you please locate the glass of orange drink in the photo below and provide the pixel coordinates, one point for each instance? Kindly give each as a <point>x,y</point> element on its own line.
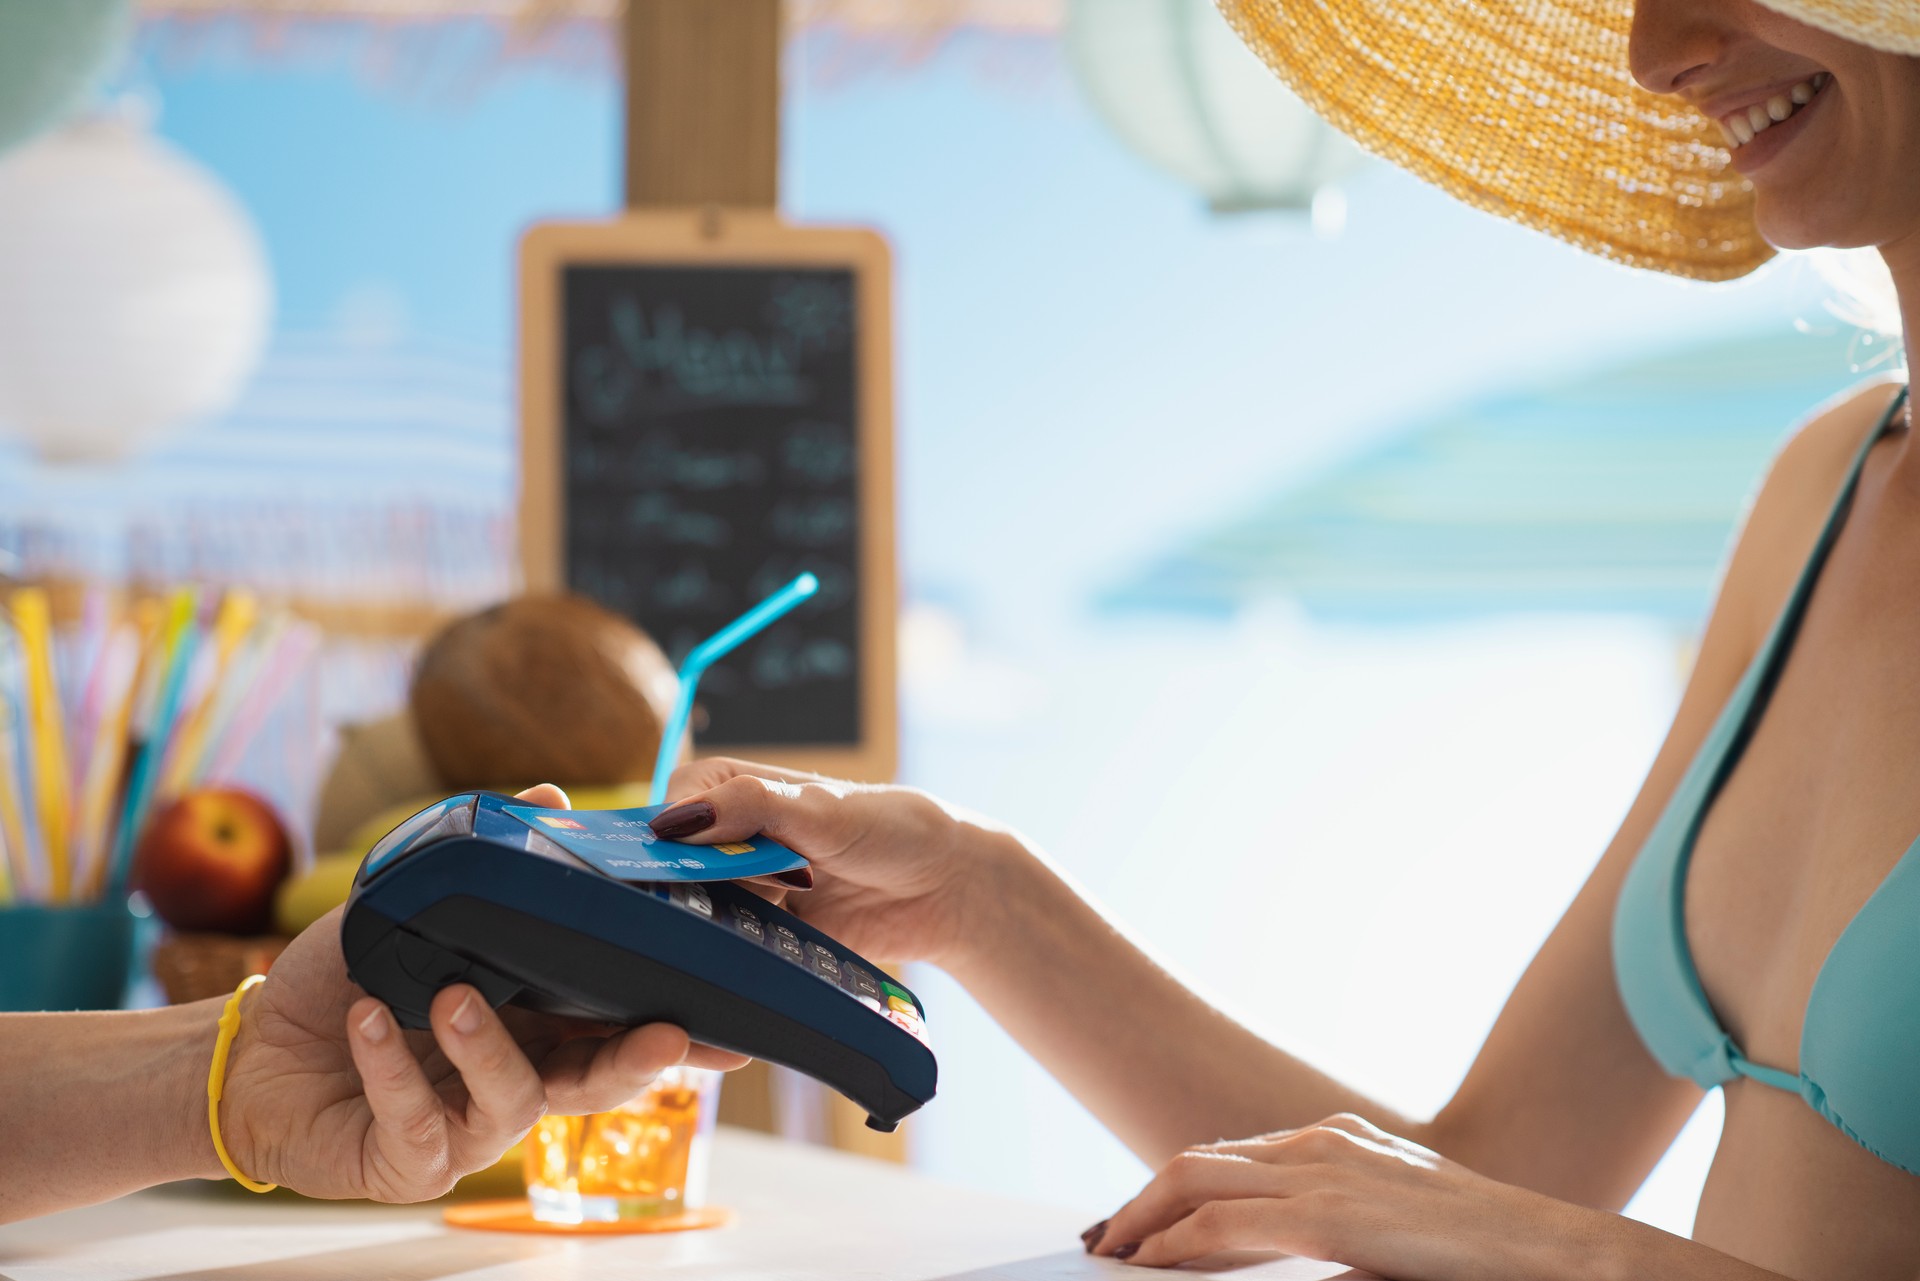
<point>644,1159</point>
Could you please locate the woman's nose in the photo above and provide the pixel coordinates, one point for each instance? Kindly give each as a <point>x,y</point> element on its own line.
<point>1673,41</point>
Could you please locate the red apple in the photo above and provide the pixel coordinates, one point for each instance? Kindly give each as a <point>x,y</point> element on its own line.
<point>212,860</point>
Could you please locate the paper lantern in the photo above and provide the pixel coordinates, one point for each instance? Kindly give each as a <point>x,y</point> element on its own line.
<point>134,290</point>
<point>52,52</point>
<point>1176,84</point>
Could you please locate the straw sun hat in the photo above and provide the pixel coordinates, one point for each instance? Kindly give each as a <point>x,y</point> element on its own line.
<point>1526,109</point>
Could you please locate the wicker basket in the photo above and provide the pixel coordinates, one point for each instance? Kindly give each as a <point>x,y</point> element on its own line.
<point>193,967</point>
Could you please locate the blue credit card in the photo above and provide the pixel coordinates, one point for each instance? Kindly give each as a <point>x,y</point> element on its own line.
<point>621,844</point>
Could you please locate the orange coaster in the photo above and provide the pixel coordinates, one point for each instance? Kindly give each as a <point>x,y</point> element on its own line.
<point>517,1216</point>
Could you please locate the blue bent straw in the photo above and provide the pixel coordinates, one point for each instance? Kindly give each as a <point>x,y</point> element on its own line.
<point>704,655</point>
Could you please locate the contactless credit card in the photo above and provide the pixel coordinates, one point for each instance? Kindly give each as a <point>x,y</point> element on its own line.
<point>621,844</point>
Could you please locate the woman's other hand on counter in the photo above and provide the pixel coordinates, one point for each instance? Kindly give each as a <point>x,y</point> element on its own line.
<point>1348,1192</point>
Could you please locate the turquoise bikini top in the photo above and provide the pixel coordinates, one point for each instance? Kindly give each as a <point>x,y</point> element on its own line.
<point>1860,1041</point>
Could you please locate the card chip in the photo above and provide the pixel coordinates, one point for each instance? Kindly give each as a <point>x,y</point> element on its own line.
<point>734,848</point>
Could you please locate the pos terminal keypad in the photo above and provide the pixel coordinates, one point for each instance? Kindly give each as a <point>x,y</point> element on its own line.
<point>893,1002</point>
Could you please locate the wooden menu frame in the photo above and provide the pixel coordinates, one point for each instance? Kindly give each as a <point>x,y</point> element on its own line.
<point>728,238</point>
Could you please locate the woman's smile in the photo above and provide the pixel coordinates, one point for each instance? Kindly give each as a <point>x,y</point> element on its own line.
<point>1758,127</point>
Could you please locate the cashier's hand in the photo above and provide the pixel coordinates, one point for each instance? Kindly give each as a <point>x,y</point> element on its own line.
<point>1348,1192</point>
<point>893,866</point>
<point>327,1095</point>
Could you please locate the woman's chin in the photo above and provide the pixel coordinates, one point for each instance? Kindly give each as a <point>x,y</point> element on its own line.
<point>1788,223</point>
<point>1788,231</point>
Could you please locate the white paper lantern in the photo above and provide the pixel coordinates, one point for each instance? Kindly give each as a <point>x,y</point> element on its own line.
<point>1183,92</point>
<point>134,290</point>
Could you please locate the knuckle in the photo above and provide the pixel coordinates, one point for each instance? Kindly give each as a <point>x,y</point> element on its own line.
<point>924,810</point>
<point>741,797</point>
<point>420,1128</point>
<point>1185,1168</point>
<point>1211,1219</point>
<point>704,773</point>
<point>502,1064</point>
<point>763,788</point>
<point>691,777</point>
<point>1316,1142</point>
<point>531,1112</point>
<point>497,1057</point>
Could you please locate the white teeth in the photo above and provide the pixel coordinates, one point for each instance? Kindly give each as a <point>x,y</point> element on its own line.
<point>1739,127</point>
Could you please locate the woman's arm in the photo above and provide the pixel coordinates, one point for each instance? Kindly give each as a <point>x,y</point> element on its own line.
<point>1156,1061</point>
<point>1564,1099</point>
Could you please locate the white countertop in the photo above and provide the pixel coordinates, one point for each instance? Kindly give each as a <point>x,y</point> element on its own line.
<point>801,1213</point>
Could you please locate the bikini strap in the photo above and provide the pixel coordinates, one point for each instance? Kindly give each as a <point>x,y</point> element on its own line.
<point>1836,518</point>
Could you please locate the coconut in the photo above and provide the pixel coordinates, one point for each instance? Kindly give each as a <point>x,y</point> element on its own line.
<point>549,688</point>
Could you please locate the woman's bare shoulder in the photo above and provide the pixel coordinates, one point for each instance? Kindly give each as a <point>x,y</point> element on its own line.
<point>1821,448</point>
<point>1795,498</point>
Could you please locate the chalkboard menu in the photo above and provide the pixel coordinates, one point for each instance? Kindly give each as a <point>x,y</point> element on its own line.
<point>710,457</point>
<point>708,431</point>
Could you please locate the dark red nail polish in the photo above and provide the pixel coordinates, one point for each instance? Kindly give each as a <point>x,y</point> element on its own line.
<point>1127,1251</point>
<point>1091,1237</point>
<point>683,820</point>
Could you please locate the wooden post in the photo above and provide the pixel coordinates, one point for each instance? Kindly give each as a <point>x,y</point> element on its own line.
<point>703,128</point>
<point>703,103</point>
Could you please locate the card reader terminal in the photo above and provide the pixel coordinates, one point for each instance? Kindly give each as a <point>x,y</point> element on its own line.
<point>467,892</point>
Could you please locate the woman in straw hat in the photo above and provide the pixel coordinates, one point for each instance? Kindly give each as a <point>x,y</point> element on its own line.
<point>1756,923</point>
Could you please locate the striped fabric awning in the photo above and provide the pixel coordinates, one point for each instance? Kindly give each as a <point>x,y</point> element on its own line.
<point>1614,492</point>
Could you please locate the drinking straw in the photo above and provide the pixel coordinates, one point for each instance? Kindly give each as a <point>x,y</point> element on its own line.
<point>119,682</point>
<point>297,644</point>
<point>12,823</point>
<point>703,656</point>
<point>260,648</point>
<point>88,650</point>
<point>15,781</point>
<point>190,742</point>
<point>115,750</point>
<point>33,617</point>
<point>177,649</point>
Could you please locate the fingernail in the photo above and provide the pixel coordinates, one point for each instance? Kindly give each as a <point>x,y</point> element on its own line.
<point>374,1027</point>
<point>683,820</point>
<point>466,1019</point>
<point>1127,1251</point>
<point>1091,1237</point>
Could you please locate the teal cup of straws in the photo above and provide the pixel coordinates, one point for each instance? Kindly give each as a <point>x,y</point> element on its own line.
<point>58,957</point>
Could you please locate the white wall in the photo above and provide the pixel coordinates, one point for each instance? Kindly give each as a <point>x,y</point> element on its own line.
<point>1394,820</point>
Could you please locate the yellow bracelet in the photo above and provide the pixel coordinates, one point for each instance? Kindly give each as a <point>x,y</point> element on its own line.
<point>217,1079</point>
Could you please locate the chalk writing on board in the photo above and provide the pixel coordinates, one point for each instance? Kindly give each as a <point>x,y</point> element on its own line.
<point>711,454</point>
